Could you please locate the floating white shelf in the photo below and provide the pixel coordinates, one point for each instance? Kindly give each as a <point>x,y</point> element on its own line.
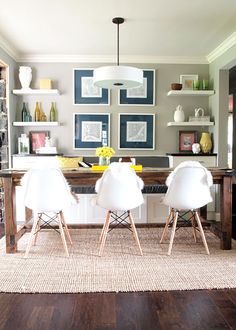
<point>30,91</point>
<point>190,92</point>
<point>191,123</point>
<point>36,123</point>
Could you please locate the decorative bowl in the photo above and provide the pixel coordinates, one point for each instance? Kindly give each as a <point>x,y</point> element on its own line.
<point>176,86</point>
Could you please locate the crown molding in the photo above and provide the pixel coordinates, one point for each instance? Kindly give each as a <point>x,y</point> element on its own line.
<point>8,48</point>
<point>111,59</point>
<point>218,51</point>
<point>222,48</point>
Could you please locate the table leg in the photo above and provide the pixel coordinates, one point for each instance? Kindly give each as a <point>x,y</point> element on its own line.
<point>226,213</point>
<point>10,216</point>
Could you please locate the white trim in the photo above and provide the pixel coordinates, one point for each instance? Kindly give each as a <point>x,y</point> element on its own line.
<point>72,58</point>
<point>222,48</point>
<point>111,59</point>
<point>10,50</point>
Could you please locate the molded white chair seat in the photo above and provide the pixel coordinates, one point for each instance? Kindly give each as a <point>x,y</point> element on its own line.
<point>119,189</point>
<point>188,189</point>
<point>47,193</point>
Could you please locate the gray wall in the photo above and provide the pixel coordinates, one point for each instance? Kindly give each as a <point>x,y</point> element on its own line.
<point>166,138</point>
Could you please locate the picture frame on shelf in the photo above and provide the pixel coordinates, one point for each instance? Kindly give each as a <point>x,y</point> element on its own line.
<point>91,130</point>
<point>37,140</point>
<point>136,131</point>
<point>140,96</point>
<point>85,92</point>
<point>186,140</point>
<point>187,80</point>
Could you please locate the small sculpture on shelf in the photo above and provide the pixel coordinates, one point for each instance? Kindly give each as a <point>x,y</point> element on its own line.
<point>199,116</point>
<point>196,148</point>
<point>25,76</point>
<point>179,114</point>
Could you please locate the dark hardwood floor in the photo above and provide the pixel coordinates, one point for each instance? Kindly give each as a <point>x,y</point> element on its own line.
<point>201,309</point>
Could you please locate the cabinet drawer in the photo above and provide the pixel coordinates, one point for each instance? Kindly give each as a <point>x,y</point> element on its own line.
<point>207,161</point>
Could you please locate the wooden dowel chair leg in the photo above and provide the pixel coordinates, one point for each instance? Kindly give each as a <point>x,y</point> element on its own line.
<point>104,233</point>
<point>66,228</point>
<point>104,225</point>
<point>202,232</point>
<point>170,217</point>
<point>37,231</point>
<point>173,233</point>
<point>135,232</point>
<point>62,234</point>
<point>194,227</point>
<point>31,238</point>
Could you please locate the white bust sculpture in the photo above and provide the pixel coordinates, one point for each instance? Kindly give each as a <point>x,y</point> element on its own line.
<point>196,148</point>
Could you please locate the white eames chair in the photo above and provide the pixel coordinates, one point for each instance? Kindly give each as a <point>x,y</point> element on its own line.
<point>47,194</point>
<point>188,190</point>
<point>119,189</point>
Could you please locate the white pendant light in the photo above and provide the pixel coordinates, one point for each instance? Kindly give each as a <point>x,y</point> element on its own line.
<point>122,77</point>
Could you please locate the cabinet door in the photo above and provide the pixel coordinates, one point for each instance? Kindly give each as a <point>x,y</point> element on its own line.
<point>96,214</point>
<point>156,211</point>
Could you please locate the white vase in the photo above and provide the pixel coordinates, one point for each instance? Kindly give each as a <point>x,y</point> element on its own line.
<point>179,114</point>
<point>25,76</point>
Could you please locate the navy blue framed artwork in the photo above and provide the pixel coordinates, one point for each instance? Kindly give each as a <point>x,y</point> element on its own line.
<point>85,93</point>
<point>143,95</point>
<point>91,130</point>
<point>137,131</point>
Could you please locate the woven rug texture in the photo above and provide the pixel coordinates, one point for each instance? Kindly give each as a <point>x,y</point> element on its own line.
<point>121,268</point>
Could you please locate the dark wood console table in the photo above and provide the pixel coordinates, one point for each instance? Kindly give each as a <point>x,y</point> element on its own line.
<point>85,177</point>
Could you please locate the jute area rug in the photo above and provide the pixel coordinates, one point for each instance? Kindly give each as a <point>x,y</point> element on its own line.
<point>121,268</point>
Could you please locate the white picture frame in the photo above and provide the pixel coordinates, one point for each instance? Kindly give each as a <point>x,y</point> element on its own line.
<point>136,131</point>
<point>91,130</point>
<point>187,80</point>
<point>143,95</point>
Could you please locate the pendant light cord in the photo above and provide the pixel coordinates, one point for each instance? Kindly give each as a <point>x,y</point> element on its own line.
<point>118,46</point>
<point>118,21</point>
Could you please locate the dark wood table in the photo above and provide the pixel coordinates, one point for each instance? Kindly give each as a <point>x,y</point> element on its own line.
<point>150,176</point>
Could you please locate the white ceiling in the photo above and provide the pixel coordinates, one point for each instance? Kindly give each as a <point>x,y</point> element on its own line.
<point>82,29</point>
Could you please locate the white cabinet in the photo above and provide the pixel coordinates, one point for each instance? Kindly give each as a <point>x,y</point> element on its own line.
<point>26,162</point>
<point>85,213</point>
<point>151,211</point>
<point>156,211</point>
<point>207,161</point>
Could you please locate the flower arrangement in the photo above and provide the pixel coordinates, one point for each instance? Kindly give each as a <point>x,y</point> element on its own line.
<point>105,152</point>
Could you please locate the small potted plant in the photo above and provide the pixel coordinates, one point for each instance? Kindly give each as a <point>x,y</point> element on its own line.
<point>104,154</point>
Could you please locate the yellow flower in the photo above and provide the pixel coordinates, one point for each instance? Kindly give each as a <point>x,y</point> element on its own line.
<point>105,152</point>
